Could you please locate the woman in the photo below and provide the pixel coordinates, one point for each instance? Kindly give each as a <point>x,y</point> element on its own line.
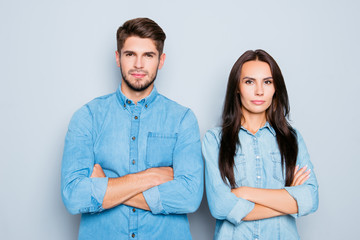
<point>258,173</point>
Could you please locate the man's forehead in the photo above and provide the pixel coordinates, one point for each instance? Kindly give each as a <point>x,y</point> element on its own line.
<point>137,44</point>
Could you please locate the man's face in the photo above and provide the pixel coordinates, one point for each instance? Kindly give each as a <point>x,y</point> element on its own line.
<point>139,62</point>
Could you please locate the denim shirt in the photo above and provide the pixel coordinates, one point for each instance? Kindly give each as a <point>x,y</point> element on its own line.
<point>257,164</point>
<point>126,138</point>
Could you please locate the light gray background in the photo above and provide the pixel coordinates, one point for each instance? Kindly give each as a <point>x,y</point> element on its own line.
<point>57,55</point>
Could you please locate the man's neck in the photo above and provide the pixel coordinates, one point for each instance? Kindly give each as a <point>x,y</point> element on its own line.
<point>135,96</point>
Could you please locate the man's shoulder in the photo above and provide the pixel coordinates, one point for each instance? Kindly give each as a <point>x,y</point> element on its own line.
<point>101,103</point>
<point>172,105</point>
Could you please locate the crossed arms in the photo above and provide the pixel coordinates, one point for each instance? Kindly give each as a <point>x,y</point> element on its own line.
<point>163,190</point>
<point>272,202</point>
<point>247,203</point>
<point>128,189</point>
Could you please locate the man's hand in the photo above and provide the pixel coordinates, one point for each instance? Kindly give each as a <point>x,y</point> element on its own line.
<point>98,172</point>
<point>161,174</point>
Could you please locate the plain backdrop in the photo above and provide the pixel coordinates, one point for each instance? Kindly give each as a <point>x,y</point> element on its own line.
<point>57,55</point>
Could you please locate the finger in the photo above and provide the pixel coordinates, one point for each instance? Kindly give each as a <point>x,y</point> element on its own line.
<point>298,174</point>
<point>294,177</point>
<point>301,179</point>
<point>304,177</point>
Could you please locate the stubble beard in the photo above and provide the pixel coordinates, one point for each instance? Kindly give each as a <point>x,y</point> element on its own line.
<point>137,88</point>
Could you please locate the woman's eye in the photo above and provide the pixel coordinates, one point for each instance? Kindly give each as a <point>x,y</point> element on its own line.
<point>248,81</point>
<point>267,82</point>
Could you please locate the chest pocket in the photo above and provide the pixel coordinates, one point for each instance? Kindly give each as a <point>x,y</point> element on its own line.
<point>277,169</point>
<point>240,170</point>
<point>159,149</point>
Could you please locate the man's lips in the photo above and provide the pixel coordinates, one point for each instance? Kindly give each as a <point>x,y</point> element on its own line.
<point>257,102</point>
<point>138,75</point>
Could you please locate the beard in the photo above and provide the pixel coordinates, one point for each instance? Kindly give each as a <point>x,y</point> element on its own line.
<point>138,87</point>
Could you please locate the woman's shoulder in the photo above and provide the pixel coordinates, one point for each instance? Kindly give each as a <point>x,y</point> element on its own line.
<point>212,135</point>
<point>215,132</point>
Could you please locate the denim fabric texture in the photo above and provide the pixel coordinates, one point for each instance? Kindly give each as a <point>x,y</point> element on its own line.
<point>257,164</point>
<point>126,138</point>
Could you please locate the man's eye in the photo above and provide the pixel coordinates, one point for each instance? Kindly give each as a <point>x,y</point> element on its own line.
<point>129,54</point>
<point>149,55</point>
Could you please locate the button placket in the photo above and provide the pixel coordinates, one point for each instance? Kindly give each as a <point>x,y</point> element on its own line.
<point>133,162</point>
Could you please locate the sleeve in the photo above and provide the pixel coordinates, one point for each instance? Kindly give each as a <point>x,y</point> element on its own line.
<point>184,193</point>
<point>306,195</point>
<point>80,193</point>
<point>223,204</point>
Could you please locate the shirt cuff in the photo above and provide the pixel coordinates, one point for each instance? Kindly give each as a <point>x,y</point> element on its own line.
<point>303,198</point>
<point>98,189</point>
<point>152,198</point>
<point>239,211</point>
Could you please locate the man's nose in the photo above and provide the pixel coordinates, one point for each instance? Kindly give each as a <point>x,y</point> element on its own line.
<point>138,62</point>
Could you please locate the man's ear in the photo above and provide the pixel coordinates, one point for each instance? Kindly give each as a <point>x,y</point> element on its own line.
<point>162,60</point>
<point>117,56</point>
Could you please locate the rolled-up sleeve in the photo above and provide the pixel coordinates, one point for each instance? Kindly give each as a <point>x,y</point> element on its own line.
<point>184,193</point>
<point>306,195</point>
<point>223,204</point>
<point>80,193</point>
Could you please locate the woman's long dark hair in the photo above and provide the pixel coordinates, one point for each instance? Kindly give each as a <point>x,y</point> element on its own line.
<point>276,115</point>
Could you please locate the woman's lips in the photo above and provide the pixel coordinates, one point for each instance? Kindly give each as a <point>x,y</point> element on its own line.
<point>257,102</point>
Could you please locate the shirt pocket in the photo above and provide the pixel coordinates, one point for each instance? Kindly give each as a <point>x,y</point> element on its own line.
<point>159,149</point>
<point>240,169</point>
<point>278,172</point>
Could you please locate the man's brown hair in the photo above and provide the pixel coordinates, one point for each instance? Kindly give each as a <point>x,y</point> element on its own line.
<point>143,28</point>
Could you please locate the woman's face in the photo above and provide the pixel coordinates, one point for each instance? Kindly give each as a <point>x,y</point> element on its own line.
<point>256,87</point>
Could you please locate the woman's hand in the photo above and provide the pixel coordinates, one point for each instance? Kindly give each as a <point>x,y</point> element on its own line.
<point>300,176</point>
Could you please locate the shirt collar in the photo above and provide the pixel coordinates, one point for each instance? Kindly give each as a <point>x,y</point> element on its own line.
<point>145,101</point>
<point>267,125</point>
<point>271,129</point>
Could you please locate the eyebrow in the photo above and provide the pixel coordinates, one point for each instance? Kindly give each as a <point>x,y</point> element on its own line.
<point>250,78</point>
<point>152,53</point>
<point>129,51</point>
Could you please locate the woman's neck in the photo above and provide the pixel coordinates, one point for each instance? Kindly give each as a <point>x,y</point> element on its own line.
<point>253,122</point>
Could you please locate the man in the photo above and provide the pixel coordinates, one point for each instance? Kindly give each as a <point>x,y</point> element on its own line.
<point>132,163</point>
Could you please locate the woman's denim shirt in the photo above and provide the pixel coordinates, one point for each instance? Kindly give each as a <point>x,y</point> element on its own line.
<point>257,164</point>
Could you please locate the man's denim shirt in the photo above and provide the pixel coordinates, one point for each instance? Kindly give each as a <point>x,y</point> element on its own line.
<point>126,138</point>
<point>257,164</point>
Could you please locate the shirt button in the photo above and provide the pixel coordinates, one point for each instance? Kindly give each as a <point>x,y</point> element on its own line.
<point>258,177</point>
<point>255,138</point>
<point>133,162</point>
<point>124,105</point>
<point>133,138</point>
<point>146,105</point>
<point>134,210</point>
<point>133,235</point>
<point>257,157</point>
<point>128,101</point>
<point>136,117</point>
